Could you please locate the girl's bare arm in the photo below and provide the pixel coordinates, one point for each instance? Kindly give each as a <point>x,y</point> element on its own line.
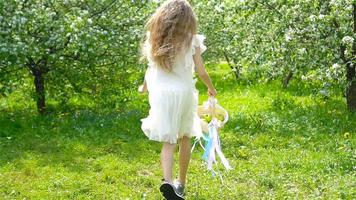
<point>143,88</point>
<point>202,73</point>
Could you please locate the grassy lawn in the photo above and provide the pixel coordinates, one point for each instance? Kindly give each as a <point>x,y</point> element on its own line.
<point>282,143</point>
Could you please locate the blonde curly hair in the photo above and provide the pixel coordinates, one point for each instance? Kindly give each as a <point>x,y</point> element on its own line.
<point>171,29</point>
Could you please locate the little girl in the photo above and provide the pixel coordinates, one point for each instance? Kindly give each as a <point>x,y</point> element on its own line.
<point>173,50</point>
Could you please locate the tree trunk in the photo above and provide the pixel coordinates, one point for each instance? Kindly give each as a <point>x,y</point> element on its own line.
<point>235,69</point>
<point>40,91</point>
<point>351,95</point>
<point>287,79</point>
<point>351,72</point>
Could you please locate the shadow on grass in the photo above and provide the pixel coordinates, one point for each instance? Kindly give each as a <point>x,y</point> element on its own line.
<point>72,140</point>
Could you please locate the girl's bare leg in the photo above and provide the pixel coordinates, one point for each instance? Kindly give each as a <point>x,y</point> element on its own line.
<point>167,161</point>
<point>184,158</point>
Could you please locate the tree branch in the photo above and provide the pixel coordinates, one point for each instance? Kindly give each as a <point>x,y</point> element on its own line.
<point>103,10</point>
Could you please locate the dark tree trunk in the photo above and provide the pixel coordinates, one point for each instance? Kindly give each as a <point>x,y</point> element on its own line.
<point>40,91</point>
<point>235,69</point>
<point>287,79</point>
<point>38,70</point>
<point>351,71</point>
<point>351,95</point>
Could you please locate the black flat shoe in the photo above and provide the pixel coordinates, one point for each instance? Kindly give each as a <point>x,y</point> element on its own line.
<point>169,192</point>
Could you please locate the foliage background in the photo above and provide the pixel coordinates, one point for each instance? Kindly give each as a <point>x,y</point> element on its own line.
<point>89,49</point>
<point>279,67</point>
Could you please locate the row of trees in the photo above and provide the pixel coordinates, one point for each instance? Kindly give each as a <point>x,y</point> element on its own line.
<point>90,47</point>
<point>70,47</point>
<point>312,40</point>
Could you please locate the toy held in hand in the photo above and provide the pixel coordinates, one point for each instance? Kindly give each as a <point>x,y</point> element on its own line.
<point>213,117</point>
<point>209,110</point>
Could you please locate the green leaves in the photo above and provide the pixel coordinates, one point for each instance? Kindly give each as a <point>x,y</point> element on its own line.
<point>91,48</point>
<point>87,47</point>
<point>278,37</point>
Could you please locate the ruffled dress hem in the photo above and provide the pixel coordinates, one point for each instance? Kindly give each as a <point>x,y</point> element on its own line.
<point>167,137</point>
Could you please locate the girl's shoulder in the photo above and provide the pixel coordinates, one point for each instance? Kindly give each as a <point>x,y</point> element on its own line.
<point>198,42</point>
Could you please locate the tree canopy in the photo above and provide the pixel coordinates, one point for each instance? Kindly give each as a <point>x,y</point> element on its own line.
<point>91,48</point>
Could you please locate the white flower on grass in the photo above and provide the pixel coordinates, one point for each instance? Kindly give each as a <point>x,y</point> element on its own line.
<point>289,35</point>
<point>347,40</point>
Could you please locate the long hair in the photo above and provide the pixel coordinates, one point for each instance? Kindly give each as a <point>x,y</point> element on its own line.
<point>171,29</point>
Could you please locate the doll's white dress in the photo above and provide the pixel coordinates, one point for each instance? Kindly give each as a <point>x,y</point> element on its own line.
<point>173,98</point>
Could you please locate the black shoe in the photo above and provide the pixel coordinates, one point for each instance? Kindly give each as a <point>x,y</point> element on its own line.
<point>169,192</point>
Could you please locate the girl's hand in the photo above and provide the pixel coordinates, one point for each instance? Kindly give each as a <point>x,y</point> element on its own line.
<point>142,89</point>
<point>212,92</point>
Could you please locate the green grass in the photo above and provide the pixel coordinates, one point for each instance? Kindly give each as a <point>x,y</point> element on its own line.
<point>282,143</point>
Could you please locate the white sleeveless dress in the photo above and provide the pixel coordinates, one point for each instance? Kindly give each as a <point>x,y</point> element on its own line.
<point>173,98</point>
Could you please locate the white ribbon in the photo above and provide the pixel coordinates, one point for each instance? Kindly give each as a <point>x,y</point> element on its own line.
<point>213,142</point>
<point>216,147</point>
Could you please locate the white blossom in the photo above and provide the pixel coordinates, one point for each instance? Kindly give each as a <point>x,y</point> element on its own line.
<point>321,16</point>
<point>79,19</point>
<point>334,2</point>
<point>302,51</point>
<point>347,40</point>
<point>335,66</point>
<point>219,8</point>
<point>324,92</point>
<point>312,18</point>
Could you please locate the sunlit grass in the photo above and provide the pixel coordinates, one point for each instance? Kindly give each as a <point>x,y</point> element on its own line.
<point>282,143</point>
